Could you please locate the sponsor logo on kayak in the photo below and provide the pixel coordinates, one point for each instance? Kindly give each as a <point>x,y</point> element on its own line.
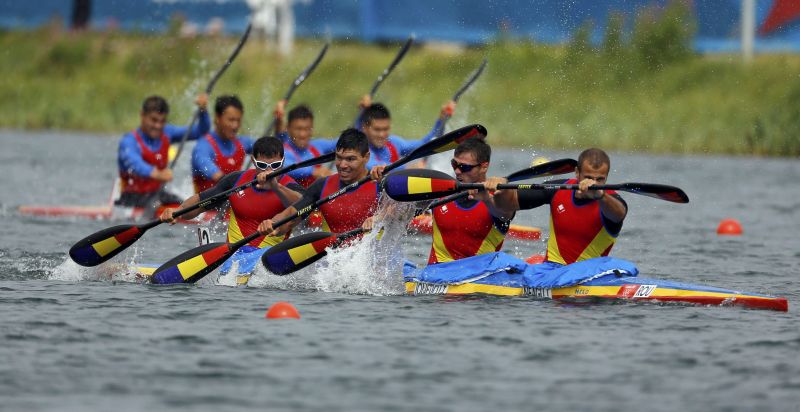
<point>581,291</point>
<point>537,292</point>
<point>631,291</point>
<point>644,291</point>
<point>422,288</point>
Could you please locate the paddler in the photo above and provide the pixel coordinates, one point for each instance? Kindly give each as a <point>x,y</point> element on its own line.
<point>465,227</point>
<point>584,223</point>
<point>221,151</point>
<point>143,154</point>
<point>348,211</point>
<point>252,205</point>
<point>298,144</point>
<point>385,148</point>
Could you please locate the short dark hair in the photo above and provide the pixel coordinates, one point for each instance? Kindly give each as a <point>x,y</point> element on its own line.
<point>479,148</point>
<point>375,111</point>
<point>155,104</point>
<point>268,146</point>
<point>300,112</point>
<point>226,100</point>
<point>594,157</point>
<point>353,139</point>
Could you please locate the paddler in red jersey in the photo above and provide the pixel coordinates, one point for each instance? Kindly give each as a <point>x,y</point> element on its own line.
<point>143,155</point>
<point>222,151</point>
<point>346,212</point>
<point>250,206</point>
<point>298,144</point>
<point>584,223</point>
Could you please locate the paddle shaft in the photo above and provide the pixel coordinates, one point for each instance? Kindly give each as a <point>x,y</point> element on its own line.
<point>297,82</point>
<point>387,71</point>
<point>209,88</point>
<point>466,86</point>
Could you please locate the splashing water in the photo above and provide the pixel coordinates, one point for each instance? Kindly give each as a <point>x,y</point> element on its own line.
<point>372,265</point>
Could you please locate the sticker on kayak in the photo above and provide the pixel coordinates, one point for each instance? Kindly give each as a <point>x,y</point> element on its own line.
<point>537,292</point>
<point>630,291</point>
<point>421,288</point>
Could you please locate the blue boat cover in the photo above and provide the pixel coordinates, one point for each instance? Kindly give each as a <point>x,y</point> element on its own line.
<point>502,269</point>
<point>247,257</point>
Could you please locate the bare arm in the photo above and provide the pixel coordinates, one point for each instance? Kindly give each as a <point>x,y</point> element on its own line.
<point>166,215</point>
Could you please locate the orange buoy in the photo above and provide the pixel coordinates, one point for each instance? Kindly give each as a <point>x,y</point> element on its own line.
<point>535,259</point>
<point>282,310</point>
<point>729,227</point>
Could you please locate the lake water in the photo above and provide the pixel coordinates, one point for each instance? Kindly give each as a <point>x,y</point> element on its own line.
<point>72,339</point>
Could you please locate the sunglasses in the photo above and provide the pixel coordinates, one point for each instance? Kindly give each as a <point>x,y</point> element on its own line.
<point>268,165</point>
<point>463,167</point>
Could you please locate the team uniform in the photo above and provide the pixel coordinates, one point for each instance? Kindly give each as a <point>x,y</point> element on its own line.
<point>397,147</point>
<point>214,154</point>
<point>139,154</point>
<point>578,229</point>
<point>294,154</point>
<point>248,208</point>
<point>346,212</point>
<point>465,228</point>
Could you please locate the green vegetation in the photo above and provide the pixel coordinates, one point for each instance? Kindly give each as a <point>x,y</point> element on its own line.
<point>638,91</point>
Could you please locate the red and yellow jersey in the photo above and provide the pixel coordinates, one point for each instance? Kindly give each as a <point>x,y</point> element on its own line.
<point>227,164</point>
<point>350,210</point>
<point>577,231</point>
<point>464,229</point>
<point>251,206</point>
<point>144,184</point>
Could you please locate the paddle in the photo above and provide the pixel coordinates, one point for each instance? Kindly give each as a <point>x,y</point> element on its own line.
<point>209,88</point>
<point>193,265</point>
<point>107,243</point>
<point>556,167</point>
<point>297,82</point>
<point>298,252</point>
<point>466,86</point>
<point>419,184</point>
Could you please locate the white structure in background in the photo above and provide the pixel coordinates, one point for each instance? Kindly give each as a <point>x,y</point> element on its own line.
<point>275,17</point>
<point>748,28</point>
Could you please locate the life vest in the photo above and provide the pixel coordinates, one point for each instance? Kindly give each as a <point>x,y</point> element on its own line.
<point>394,154</point>
<point>251,206</point>
<point>132,183</point>
<point>576,231</point>
<point>308,180</point>
<point>460,232</point>
<point>227,164</point>
<point>350,210</point>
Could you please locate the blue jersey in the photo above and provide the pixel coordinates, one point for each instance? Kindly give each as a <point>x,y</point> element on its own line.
<point>397,146</point>
<point>129,155</point>
<point>294,154</point>
<point>203,155</point>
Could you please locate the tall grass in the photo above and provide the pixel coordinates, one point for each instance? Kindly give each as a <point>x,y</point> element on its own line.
<point>640,89</point>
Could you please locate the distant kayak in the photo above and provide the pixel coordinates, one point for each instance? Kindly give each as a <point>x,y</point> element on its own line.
<point>104,212</point>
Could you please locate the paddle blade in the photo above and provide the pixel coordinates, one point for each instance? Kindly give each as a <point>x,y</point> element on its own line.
<point>449,141</point>
<point>296,253</point>
<point>556,167</point>
<point>663,192</point>
<point>193,265</point>
<point>413,185</point>
<point>104,245</point>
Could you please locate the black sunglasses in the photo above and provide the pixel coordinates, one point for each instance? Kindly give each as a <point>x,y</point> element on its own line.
<point>463,167</point>
<point>271,165</point>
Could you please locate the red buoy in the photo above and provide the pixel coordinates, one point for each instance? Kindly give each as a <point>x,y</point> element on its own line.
<point>729,227</point>
<point>282,310</point>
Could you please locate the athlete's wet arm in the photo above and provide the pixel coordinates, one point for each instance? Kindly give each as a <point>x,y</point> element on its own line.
<point>613,207</point>
<point>311,196</point>
<point>167,214</point>
<point>290,193</point>
<point>203,161</point>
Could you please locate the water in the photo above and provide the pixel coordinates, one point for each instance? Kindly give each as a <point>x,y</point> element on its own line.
<point>73,341</point>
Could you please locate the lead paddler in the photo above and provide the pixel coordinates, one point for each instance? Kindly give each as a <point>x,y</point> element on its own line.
<point>584,223</point>
<point>143,153</point>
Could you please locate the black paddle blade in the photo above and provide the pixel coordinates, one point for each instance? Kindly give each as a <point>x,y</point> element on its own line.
<point>193,265</point>
<point>104,245</point>
<point>450,141</point>
<point>296,253</point>
<point>412,185</point>
<point>556,167</point>
<point>657,191</point>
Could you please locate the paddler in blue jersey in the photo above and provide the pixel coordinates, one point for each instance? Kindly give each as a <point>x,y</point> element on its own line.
<point>298,143</point>
<point>384,147</point>
<point>584,224</point>
<point>143,155</point>
<point>348,211</point>
<point>222,151</point>
<point>250,206</point>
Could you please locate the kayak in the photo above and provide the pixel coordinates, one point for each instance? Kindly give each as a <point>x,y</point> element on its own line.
<point>103,212</point>
<point>600,279</point>
<point>424,224</point>
<point>594,280</point>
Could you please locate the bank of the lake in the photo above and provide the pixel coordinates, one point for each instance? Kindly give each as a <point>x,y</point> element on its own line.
<point>530,96</point>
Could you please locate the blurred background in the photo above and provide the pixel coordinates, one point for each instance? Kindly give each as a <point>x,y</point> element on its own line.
<point>710,76</point>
